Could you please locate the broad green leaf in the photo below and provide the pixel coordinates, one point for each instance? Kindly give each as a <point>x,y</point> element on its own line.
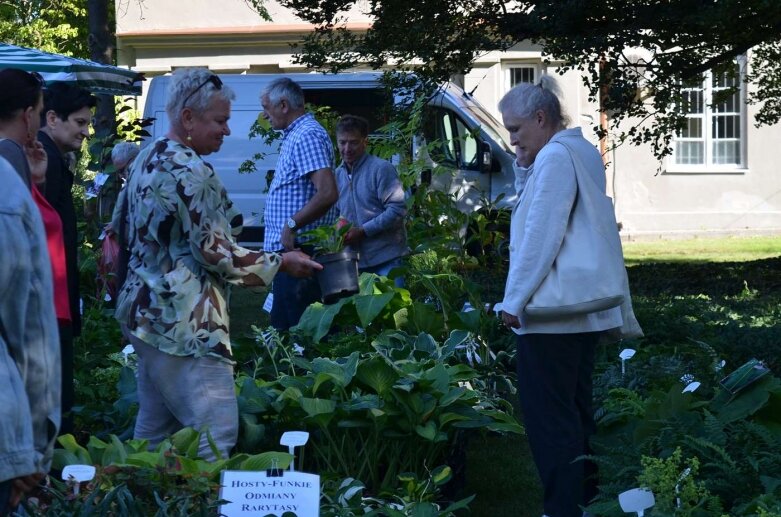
<point>113,455</point>
<point>439,378</point>
<point>377,374</point>
<point>314,407</point>
<point>401,318</point>
<point>462,372</point>
<point>366,283</point>
<point>341,373</point>
<point>317,319</point>
<point>453,395</point>
<point>63,458</point>
<point>81,454</point>
<point>427,431</point>
<point>426,344</point>
<point>745,403</point>
<point>267,460</point>
<point>423,317</point>
<point>184,438</point>
<point>291,394</point>
<point>441,475</point>
<point>144,459</point>
<point>446,418</point>
<point>369,306</point>
<point>252,433</point>
<point>361,403</point>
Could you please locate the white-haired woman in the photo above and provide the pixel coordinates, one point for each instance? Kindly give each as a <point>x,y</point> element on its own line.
<point>122,155</point>
<point>555,357</point>
<point>183,260</point>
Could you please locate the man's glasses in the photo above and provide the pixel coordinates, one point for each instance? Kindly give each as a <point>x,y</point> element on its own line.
<point>216,81</point>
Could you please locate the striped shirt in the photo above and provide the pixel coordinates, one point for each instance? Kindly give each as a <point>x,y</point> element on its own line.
<point>305,149</point>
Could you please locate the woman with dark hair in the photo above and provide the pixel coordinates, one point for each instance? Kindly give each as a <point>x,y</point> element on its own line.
<point>21,102</point>
<point>180,230</point>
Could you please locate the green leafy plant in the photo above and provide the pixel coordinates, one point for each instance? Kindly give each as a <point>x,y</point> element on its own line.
<point>375,415</point>
<point>328,238</point>
<point>134,481</point>
<point>416,497</point>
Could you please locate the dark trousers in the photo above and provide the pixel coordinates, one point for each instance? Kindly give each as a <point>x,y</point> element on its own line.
<point>291,298</point>
<point>555,389</point>
<point>5,497</point>
<point>68,394</point>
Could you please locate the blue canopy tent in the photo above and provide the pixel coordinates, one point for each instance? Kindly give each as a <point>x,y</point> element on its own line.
<point>90,75</point>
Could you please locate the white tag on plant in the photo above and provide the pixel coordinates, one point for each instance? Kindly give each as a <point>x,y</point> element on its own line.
<point>691,387</point>
<point>77,474</point>
<point>625,355</point>
<point>636,500</point>
<point>269,303</point>
<point>293,439</point>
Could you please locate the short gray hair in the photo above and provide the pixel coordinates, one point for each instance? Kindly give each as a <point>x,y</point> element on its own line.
<point>124,152</point>
<point>284,88</point>
<point>526,98</point>
<point>192,82</point>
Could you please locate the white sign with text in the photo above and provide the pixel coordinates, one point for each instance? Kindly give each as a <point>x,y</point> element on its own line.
<point>256,493</point>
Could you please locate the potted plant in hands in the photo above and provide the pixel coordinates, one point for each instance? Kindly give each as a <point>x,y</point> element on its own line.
<point>339,276</point>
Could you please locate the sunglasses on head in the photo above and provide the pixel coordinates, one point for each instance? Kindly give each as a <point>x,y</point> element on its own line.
<point>38,78</point>
<point>216,81</point>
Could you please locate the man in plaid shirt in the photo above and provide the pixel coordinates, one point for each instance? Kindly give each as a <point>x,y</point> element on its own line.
<point>302,194</point>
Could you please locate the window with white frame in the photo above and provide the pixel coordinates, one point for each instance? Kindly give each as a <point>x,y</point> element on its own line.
<point>517,74</point>
<point>715,134</point>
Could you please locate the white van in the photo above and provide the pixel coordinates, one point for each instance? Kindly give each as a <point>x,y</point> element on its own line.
<point>473,143</point>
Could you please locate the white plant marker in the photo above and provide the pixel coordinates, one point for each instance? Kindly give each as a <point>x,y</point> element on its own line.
<point>467,307</point>
<point>127,351</point>
<point>76,474</point>
<point>636,500</point>
<point>691,387</point>
<point>269,303</point>
<point>625,355</point>
<point>293,439</point>
<point>683,476</point>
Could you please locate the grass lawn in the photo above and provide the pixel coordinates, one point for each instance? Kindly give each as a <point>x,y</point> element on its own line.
<point>727,249</point>
<point>499,470</point>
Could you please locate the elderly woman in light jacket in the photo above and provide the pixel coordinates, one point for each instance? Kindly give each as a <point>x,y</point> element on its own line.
<point>555,354</point>
<point>181,230</point>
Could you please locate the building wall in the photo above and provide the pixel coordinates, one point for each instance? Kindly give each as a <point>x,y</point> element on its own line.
<point>159,35</point>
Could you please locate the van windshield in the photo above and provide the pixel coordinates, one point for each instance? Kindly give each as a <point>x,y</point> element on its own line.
<point>491,126</point>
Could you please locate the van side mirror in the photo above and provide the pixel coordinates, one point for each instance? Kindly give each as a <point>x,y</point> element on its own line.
<point>485,157</point>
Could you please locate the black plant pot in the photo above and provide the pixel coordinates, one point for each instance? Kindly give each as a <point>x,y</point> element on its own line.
<point>339,277</point>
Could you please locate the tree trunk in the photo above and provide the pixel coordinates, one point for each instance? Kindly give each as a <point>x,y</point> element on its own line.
<point>101,47</point>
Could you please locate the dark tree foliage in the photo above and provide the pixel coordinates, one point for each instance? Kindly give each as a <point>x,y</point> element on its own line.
<point>634,56</point>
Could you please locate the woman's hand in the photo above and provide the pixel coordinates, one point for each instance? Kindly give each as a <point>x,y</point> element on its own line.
<point>298,264</point>
<point>23,485</point>
<point>38,160</point>
<point>511,321</point>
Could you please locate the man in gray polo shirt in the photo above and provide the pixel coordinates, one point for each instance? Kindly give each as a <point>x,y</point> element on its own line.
<point>372,198</point>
